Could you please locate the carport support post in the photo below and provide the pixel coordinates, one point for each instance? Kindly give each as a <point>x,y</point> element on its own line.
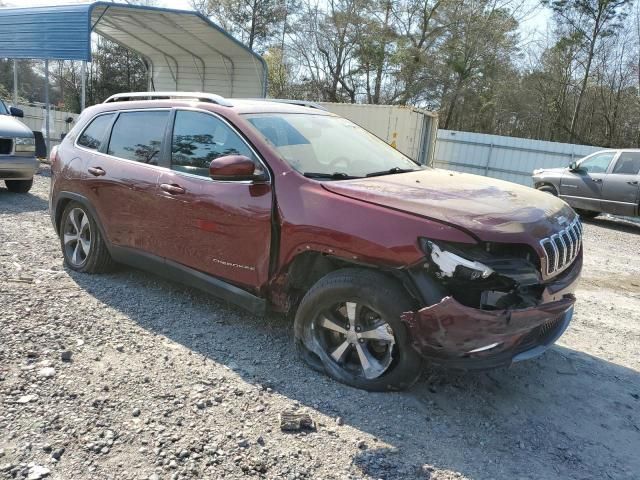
<point>83,74</point>
<point>15,82</point>
<point>46,101</point>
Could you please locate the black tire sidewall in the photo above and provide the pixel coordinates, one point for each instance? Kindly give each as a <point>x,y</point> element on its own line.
<point>588,214</point>
<point>379,293</point>
<point>19,186</point>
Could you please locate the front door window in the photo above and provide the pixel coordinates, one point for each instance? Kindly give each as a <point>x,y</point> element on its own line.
<point>598,163</point>
<point>199,138</point>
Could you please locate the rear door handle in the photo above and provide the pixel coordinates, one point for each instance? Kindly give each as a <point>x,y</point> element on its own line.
<point>172,188</point>
<point>633,182</point>
<point>96,171</point>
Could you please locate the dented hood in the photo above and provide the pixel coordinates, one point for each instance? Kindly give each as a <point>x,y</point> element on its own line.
<point>490,209</point>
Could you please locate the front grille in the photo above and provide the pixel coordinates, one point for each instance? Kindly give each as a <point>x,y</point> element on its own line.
<point>6,146</point>
<point>563,247</point>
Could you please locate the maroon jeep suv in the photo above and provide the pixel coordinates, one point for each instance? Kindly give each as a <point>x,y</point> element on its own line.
<point>271,205</point>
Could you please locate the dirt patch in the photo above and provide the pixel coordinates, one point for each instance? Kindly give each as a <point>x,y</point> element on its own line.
<point>624,282</point>
<point>128,376</point>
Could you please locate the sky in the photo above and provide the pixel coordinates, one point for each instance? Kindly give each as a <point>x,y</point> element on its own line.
<point>177,4</point>
<point>534,22</point>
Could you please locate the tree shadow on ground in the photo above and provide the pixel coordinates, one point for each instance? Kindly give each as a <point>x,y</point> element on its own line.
<point>13,203</point>
<point>22,202</point>
<point>567,414</point>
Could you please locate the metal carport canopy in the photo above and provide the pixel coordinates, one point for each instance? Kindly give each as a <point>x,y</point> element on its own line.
<point>183,49</point>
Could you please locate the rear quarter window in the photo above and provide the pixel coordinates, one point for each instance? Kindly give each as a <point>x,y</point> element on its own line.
<point>96,132</point>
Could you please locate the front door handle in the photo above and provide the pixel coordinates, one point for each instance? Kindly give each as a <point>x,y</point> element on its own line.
<point>96,171</point>
<point>172,188</point>
<point>597,180</point>
<point>633,182</point>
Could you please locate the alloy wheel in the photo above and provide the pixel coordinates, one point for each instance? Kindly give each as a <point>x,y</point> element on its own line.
<point>77,237</point>
<point>356,338</point>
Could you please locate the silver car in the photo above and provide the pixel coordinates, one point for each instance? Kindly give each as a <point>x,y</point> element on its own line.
<point>18,163</point>
<point>603,182</point>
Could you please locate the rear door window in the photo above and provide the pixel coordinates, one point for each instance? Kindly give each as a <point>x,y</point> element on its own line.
<point>628,163</point>
<point>96,132</point>
<point>138,136</point>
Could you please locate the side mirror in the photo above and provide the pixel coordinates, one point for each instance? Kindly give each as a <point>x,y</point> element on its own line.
<point>235,168</point>
<point>573,167</point>
<point>16,112</point>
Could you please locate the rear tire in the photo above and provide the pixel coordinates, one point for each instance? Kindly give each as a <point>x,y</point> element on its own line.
<point>19,186</point>
<point>348,326</point>
<point>83,247</point>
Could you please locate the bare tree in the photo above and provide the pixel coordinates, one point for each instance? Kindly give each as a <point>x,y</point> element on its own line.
<point>255,21</point>
<point>589,21</point>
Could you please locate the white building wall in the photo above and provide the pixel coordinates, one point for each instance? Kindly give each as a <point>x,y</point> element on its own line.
<point>34,117</point>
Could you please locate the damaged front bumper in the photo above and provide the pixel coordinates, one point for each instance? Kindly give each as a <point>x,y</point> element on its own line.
<point>454,335</point>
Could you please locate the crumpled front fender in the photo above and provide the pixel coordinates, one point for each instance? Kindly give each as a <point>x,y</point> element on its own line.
<point>449,329</point>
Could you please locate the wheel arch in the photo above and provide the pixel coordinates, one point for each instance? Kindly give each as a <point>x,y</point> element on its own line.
<point>308,268</point>
<point>64,198</point>
<point>546,183</point>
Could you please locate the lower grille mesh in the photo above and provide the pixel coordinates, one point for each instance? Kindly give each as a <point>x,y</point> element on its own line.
<point>541,334</point>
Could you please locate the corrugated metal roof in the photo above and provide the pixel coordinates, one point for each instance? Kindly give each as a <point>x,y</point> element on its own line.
<point>184,50</point>
<point>61,32</point>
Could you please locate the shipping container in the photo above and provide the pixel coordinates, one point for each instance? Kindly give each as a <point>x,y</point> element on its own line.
<point>411,130</point>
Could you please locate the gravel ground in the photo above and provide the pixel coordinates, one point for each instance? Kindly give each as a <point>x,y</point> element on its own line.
<point>127,376</point>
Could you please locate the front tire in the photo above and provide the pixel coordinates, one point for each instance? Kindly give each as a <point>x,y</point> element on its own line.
<point>19,186</point>
<point>587,213</point>
<point>83,247</point>
<point>348,325</point>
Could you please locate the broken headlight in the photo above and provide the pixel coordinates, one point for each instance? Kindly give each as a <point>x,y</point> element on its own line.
<point>453,264</point>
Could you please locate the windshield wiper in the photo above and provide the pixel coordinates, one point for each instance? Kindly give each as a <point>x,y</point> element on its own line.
<point>391,171</point>
<point>330,176</point>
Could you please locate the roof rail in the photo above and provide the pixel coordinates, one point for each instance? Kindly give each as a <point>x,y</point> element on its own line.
<point>301,103</point>
<point>200,96</point>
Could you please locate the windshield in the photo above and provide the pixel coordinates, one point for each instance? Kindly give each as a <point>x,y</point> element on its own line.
<point>333,147</point>
<point>3,108</point>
